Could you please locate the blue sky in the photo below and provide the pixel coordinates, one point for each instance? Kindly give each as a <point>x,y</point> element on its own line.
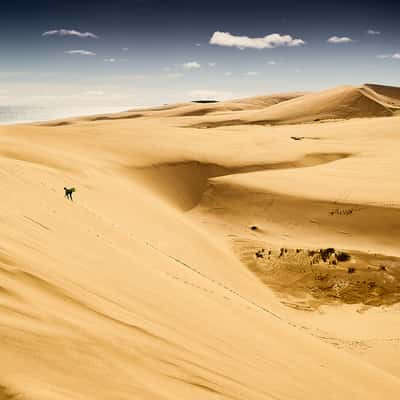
<point>130,53</point>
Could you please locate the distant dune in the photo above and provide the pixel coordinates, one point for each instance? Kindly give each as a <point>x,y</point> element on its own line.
<point>345,102</point>
<point>259,260</point>
<point>340,103</point>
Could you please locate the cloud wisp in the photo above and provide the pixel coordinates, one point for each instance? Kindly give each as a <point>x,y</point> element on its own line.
<point>69,32</point>
<point>80,52</point>
<point>270,41</point>
<point>339,39</point>
<point>373,32</point>
<point>191,65</point>
<point>395,56</point>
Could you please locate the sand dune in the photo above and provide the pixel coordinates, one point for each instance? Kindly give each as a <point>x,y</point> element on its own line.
<point>340,103</point>
<point>245,104</point>
<point>149,285</point>
<point>345,102</point>
<point>191,109</point>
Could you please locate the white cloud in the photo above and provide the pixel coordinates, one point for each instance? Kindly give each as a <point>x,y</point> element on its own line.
<point>110,60</point>
<point>338,40</point>
<point>125,49</point>
<point>228,73</point>
<point>69,32</point>
<point>396,56</point>
<point>174,75</point>
<point>204,94</point>
<point>373,32</point>
<point>212,64</point>
<point>251,73</point>
<point>80,52</point>
<point>267,42</point>
<point>271,62</point>
<point>198,44</point>
<point>191,65</point>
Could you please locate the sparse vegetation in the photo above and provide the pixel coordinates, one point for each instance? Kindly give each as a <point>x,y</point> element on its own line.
<point>260,253</point>
<point>326,253</point>
<point>326,276</point>
<point>342,256</point>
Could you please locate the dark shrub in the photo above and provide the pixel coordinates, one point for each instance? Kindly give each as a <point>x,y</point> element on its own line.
<point>342,256</point>
<point>326,253</point>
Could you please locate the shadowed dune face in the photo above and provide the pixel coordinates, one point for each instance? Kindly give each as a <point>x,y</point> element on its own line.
<point>389,95</point>
<point>56,123</point>
<point>183,183</point>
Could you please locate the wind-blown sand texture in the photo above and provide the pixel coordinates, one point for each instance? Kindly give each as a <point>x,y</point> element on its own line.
<point>189,265</point>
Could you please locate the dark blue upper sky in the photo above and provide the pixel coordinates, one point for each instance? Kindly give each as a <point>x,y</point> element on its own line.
<point>151,51</point>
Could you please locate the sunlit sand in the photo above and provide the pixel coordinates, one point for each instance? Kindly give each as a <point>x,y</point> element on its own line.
<point>192,262</point>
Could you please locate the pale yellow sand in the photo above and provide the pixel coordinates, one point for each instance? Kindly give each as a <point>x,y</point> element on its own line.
<point>136,289</point>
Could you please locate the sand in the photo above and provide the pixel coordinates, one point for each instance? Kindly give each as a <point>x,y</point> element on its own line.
<point>156,282</point>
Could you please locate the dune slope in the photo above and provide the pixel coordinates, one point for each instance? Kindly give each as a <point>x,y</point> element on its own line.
<point>134,289</point>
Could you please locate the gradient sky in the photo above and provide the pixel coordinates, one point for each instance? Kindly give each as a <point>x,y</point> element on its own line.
<point>149,52</point>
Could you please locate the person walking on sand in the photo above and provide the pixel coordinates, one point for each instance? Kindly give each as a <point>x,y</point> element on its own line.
<point>68,193</point>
